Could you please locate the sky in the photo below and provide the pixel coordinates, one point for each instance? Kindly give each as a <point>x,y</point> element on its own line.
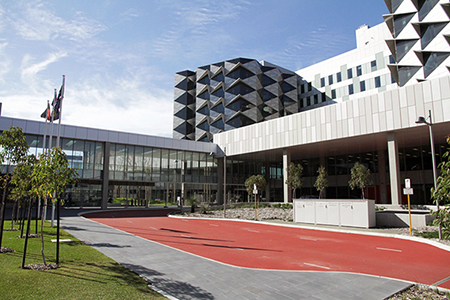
<point>119,57</point>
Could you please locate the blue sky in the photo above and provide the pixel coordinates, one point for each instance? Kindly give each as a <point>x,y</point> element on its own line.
<point>119,57</point>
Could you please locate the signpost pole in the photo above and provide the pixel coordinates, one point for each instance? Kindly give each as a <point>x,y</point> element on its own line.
<point>255,191</point>
<point>409,211</point>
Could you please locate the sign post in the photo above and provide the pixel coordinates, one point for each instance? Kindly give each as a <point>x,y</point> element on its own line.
<point>408,191</point>
<point>255,191</point>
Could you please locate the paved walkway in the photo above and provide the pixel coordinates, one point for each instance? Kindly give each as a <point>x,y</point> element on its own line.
<point>186,276</point>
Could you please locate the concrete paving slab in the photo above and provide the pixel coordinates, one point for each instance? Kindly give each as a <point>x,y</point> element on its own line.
<point>186,276</point>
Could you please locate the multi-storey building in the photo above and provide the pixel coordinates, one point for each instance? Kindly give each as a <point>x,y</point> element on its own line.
<point>256,118</point>
<point>231,94</point>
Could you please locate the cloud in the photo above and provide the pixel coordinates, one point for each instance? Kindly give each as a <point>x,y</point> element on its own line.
<point>31,70</point>
<point>35,21</point>
<point>130,104</point>
<point>198,29</point>
<point>123,104</point>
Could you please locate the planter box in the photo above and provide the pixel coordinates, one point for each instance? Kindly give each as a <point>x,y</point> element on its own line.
<point>353,213</point>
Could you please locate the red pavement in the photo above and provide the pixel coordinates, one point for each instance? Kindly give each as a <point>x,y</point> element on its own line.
<point>263,246</point>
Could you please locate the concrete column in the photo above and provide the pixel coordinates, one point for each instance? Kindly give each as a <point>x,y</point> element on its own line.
<point>105,172</point>
<point>382,176</point>
<point>220,180</point>
<point>267,177</point>
<point>394,168</point>
<point>286,163</point>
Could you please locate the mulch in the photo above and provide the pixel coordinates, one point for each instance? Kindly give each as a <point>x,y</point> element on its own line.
<point>6,250</point>
<point>41,267</point>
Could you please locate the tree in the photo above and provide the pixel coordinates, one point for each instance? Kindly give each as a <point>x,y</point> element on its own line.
<point>13,148</point>
<point>441,195</point>
<point>22,180</point>
<point>322,180</point>
<point>294,179</point>
<point>259,180</point>
<point>51,176</point>
<point>360,177</point>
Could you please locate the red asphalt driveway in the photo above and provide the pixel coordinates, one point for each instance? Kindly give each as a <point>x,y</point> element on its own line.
<point>263,246</point>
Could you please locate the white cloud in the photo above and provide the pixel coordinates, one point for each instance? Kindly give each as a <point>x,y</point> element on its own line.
<point>31,70</point>
<point>123,104</point>
<point>35,21</point>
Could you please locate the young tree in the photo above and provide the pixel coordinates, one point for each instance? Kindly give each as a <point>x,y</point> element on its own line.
<point>22,181</point>
<point>13,148</point>
<point>441,195</point>
<point>259,180</point>
<point>360,177</point>
<point>322,180</point>
<point>51,175</point>
<point>294,179</point>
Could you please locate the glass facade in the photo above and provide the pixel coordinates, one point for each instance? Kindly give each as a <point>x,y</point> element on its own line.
<point>177,174</point>
<point>132,168</point>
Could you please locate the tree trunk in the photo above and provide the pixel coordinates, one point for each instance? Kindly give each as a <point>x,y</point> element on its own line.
<point>12,214</point>
<point>37,213</point>
<point>22,222</point>
<point>57,231</point>
<point>44,207</point>
<point>30,206</point>
<point>3,210</point>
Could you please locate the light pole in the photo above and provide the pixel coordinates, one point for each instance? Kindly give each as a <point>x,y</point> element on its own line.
<point>422,120</point>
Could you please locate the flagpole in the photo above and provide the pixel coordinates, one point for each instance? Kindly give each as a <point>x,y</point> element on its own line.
<point>60,109</point>
<point>43,148</point>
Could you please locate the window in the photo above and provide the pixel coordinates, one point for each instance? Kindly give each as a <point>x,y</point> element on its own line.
<point>302,89</point>
<point>391,59</point>
<point>316,99</point>
<point>349,73</point>
<point>358,70</point>
<point>301,103</point>
<point>433,61</point>
<point>324,97</point>
<point>309,86</point>
<point>330,79</point>
<point>403,47</point>
<point>377,81</point>
<point>322,82</point>
<point>362,86</point>
<point>350,89</point>
<point>430,32</point>
<point>308,101</point>
<point>333,94</point>
<point>373,65</point>
<point>400,22</point>
<point>338,77</point>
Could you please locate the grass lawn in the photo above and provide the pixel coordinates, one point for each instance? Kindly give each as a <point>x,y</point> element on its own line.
<point>85,273</point>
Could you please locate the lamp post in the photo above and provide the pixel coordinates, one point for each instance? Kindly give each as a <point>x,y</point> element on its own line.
<point>422,120</point>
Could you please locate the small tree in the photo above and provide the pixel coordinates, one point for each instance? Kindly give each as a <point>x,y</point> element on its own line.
<point>13,148</point>
<point>51,176</point>
<point>441,195</point>
<point>259,180</point>
<point>360,177</point>
<point>294,179</point>
<point>322,180</point>
<point>22,181</point>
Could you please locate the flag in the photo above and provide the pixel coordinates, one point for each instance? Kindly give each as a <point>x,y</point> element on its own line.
<point>46,113</point>
<point>56,103</point>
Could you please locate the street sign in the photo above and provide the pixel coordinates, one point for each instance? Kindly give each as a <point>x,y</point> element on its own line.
<point>255,190</point>
<point>407,183</point>
<point>408,191</point>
